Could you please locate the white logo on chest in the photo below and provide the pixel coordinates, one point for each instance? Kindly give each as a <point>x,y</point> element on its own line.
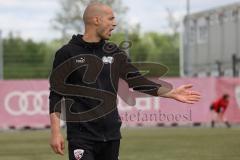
<point>81,60</point>
<point>108,59</point>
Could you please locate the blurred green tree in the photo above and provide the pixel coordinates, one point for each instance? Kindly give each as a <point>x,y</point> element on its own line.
<point>24,58</point>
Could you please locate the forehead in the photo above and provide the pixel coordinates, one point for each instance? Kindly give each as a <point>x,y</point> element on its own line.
<point>108,11</point>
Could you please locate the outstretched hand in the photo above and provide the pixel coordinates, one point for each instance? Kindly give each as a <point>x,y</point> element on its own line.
<point>183,94</point>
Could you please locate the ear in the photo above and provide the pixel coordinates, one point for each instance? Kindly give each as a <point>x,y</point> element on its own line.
<point>97,20</point>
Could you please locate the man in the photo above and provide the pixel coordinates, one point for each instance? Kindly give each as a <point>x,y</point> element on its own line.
<point>97,138</point>
<point>218,109</point>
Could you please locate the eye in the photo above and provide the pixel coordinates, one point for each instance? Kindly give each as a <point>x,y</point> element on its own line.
<point>111,18</point>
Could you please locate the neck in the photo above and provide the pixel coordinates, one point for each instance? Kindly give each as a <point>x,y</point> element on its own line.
<point>91,36</point>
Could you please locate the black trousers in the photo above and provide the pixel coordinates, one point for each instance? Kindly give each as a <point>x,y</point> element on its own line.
<point>92,150</point>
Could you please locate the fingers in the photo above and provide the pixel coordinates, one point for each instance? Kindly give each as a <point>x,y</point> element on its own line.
<point>189,86</point>
<point>55,148</point>
<point>191,99</point>
<point>58,148</point>
<point>195,96</point>
<point>187,101</point>
<point>194,99</point>
<point>62,146</point>
<point>194,93</point>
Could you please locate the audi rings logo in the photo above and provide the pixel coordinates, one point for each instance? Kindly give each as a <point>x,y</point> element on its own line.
<point>27,103</point>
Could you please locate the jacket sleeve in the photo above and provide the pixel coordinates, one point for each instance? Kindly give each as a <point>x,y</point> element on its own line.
<point>55,98</point>
<point>136,81</point>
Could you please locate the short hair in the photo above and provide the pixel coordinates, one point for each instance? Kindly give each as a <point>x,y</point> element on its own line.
<point>93,9</point>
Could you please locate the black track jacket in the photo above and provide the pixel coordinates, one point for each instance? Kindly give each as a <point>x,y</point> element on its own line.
<point>108,126</point>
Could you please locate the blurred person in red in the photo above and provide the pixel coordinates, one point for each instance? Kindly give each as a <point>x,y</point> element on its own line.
<point>218,109</point>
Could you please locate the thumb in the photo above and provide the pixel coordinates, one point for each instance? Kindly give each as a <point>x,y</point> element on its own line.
<point>187,86</point>
<point>60,150</point>
<point>62,145</point>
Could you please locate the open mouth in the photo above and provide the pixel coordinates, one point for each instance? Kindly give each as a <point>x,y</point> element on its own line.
<point>110,31</point>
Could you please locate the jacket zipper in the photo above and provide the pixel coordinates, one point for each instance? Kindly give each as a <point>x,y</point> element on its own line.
<point>103,134</point>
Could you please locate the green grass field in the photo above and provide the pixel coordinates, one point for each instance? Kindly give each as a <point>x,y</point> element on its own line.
<point>137,144</point>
